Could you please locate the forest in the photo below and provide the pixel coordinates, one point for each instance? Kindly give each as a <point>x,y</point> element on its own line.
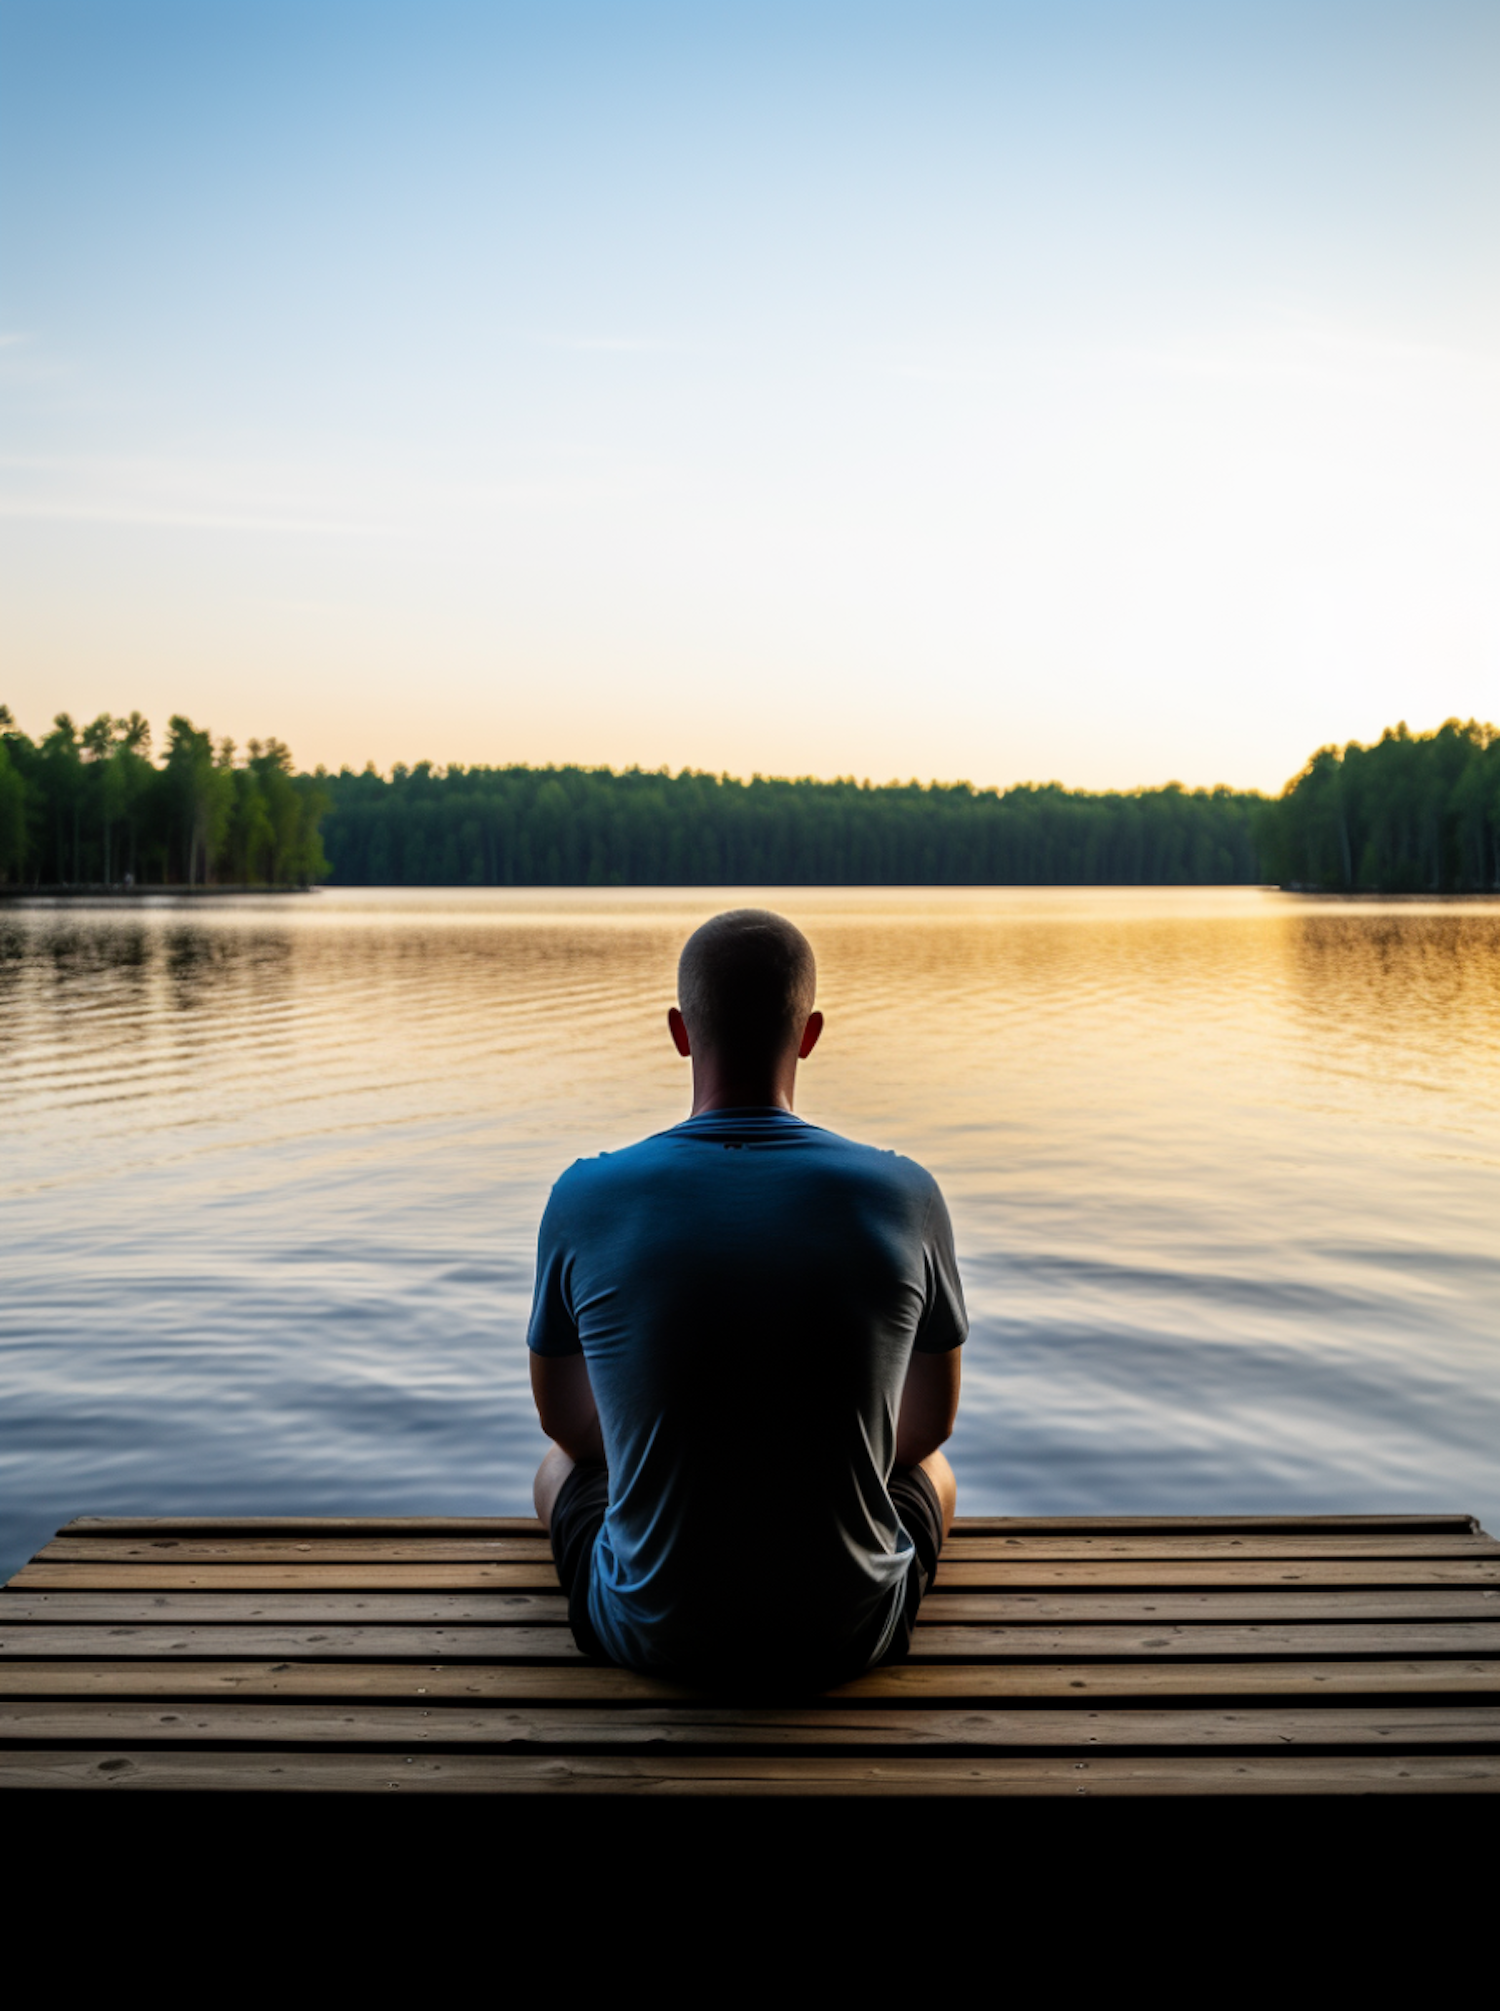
<point>87,807</point>
<point>485,827</point>
<point>1416,813</point>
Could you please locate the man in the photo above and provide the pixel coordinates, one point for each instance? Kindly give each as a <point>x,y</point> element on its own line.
<point>744,1347</point>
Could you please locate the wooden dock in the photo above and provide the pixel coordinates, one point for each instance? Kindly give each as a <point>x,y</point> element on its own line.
<point>1207,1657</point>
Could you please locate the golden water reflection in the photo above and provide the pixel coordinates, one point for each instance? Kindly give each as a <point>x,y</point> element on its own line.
<point>1224,1166</point>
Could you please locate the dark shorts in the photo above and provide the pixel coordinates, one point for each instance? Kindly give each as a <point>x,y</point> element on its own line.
<point>578,1516</point>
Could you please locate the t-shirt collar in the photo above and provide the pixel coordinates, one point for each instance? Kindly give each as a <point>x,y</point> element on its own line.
<point>741,1124</point>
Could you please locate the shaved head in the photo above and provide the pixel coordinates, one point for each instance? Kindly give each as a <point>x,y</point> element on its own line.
<point>745,983</point>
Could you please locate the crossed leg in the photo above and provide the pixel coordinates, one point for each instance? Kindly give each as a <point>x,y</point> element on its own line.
<point>550,1475</point>
<point>940,1473</point>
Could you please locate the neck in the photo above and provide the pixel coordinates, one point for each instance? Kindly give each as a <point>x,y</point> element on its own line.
<point>722,1086</point>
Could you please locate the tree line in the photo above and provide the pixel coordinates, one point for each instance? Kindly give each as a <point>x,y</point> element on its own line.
<point>568,827</point>
<point>87,806</point>
<point>1414,813</point>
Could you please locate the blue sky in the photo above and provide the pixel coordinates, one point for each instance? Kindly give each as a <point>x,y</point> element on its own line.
<point>1106,393</point>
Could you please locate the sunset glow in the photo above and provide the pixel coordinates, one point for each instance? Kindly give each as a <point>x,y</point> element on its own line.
<point>1001,393</point>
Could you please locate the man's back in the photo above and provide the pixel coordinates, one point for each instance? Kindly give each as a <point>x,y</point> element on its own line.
<point>747,1290</point>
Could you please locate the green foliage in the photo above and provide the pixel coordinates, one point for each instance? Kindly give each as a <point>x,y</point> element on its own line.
<point>12,818</point>
<point>85,808</point>
<point>1414,814</point>
<point>594,827</point>
<point>200,795</point>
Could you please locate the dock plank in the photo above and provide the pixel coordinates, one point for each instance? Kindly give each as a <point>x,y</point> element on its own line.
<point>550,1608</point>
<point>791,1777</point>
<point>1051,1550</point>
<point>1110,1656</point>
<point>1311,1641</point>
<point>403,1727</point>
<point>965,1527</point>
<point>588,1683</point>
<point>954,1574</point>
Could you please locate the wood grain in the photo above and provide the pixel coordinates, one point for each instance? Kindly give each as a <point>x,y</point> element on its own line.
<point>338,1525</point>
<point>407,1726</point>
<point>1053,1550</point>
<point>1473,1679</point>
<point>550,1609</point>
<point>489,1609</point>
<point>286,1577</point>
<point>963,1526</point>
<point>790,1776</point>
<point>953,1575</point>
<point>1314,1641</point>
<point>1134,1656</point>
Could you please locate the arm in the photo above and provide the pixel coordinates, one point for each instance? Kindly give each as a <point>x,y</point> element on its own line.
<point>565,1404</point>
<point>929,1404</point>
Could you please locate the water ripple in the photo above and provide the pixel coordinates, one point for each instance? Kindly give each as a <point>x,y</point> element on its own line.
<point>1224,1167</point>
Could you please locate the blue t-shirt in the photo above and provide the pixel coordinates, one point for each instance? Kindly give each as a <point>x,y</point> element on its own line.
<point>747,1290</point>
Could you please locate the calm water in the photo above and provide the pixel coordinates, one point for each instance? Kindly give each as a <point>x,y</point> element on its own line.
<point>1224,1168</point>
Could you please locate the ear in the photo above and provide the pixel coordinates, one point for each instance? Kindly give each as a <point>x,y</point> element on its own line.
<point>679,1030</point>
<point>810,1035</point>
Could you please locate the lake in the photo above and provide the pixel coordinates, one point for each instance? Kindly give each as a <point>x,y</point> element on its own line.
<point>1224,1169</point>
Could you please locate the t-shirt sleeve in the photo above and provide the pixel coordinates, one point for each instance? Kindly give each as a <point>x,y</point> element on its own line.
<point>553,1329</point>
<point>945,1322</point>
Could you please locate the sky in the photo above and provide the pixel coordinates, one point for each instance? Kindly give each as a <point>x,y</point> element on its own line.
<point>1097,393</point>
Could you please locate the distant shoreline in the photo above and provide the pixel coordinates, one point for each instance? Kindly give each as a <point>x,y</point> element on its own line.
<point>133,897</point>
<point>129,896</point>
<point>1307,890</point>
<point>1411,814</point>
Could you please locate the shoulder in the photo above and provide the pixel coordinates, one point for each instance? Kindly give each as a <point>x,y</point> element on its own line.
<point>909,1193</point>
<point>586,1179</point>
<point>881,1159</point>
<point>877,1166</point>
